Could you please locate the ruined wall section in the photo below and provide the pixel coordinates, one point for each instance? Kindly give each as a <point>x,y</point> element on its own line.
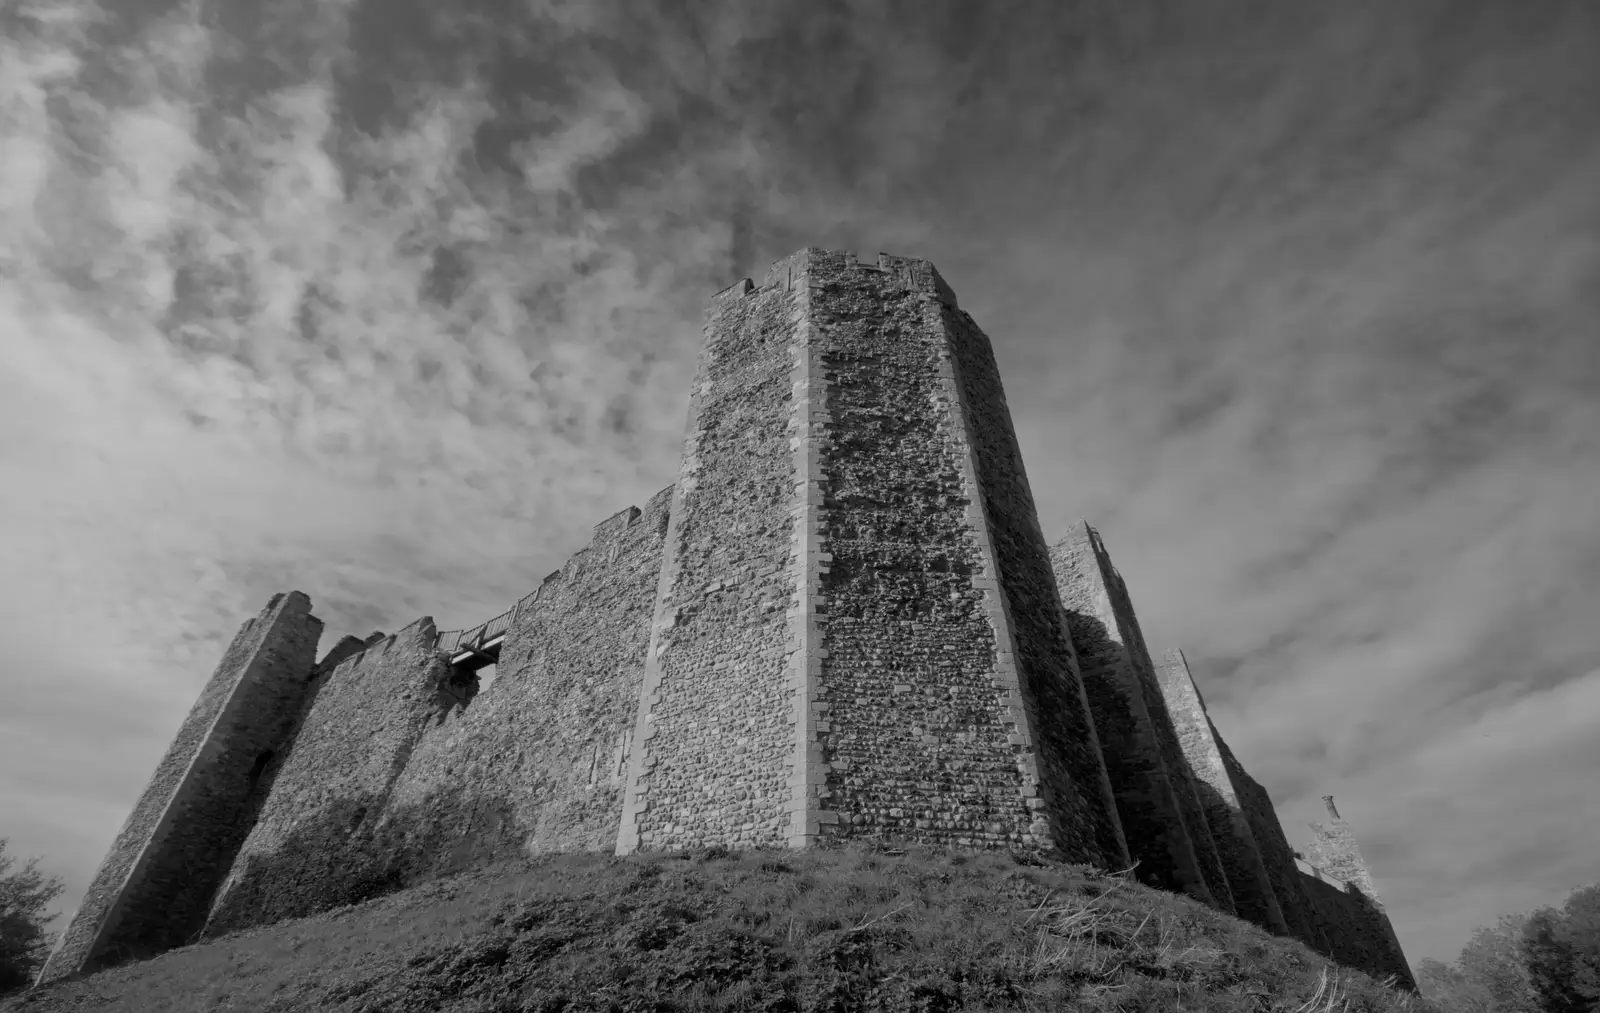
<point>1355,930</point>
<point>316,843</point>
<point>1337,853</point>
<point>1061,753</point>
<point>1143,777</point>
<point>536,762</point>
<point>1184,784</point>
<point>1276,855</point>
<point>151,892</point>
<point>1249,883</point>
<point>714,745</point>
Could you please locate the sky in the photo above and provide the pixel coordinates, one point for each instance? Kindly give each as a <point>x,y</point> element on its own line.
<point>390,301</point>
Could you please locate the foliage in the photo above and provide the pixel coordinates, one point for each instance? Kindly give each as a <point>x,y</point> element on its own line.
<point>1562,952</point>
<point>1544,962</point>
<point>847,929</point>
<point>24,943</point>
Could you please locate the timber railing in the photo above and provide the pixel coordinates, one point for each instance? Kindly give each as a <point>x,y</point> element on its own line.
<point>452,641</point>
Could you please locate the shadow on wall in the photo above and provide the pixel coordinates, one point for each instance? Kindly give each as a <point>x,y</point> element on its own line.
<point>1357,931</point>
<point>1160,847</point>
<point>347,854</point>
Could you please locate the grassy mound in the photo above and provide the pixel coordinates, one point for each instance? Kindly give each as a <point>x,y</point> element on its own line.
<point>823,930</point>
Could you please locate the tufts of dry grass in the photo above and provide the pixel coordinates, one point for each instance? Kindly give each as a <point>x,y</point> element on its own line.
<point>824,930</point>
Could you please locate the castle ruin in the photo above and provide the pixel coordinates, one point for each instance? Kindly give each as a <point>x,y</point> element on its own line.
<point>842,621</point>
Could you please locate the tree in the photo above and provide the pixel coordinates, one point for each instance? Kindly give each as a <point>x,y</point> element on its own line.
<point>1447,988</point>
<point>1562,952</point>
<point>1492,959</point>
<point>1581,929</point>
<point>1488,976</point>
<point>24,943</point>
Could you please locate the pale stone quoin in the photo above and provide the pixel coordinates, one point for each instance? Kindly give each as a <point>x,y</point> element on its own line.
<point>842,622</point>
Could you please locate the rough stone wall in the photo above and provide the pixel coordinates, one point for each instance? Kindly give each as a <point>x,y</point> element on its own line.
<point>318,841</point>
<point>150,893</point>
<point>1163,825</point>
<point>829,470</point>
<point>1062,755</point>
<point>1336,852</point>
<point>536,762</point>
<point>714,740</point>
<point>1276,855</point>
<point>1355,929</point>
<point>1249,883</point>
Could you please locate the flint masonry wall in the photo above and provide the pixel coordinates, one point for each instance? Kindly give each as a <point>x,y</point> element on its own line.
<point>535,763</point>
<point>318,841</point>
<point>150,893</point>
<point>1358,920</point>
<point>835,649</point>
<point>714,735</point>
<point>1357,932</point>
<point>1276,855</point>
<point>1067,764</point>
<point>1248,881</point>
<point>1184,783</point>
<point>1161,817</point>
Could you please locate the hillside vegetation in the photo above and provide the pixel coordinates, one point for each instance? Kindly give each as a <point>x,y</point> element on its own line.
<point>825,930</point>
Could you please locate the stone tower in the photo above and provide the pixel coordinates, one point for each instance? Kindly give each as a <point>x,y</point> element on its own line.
<point>1161,811</point>
<point>1226,805</point>
<point>857,631</point>
<point>1335,851</point>
<point>154,888</point>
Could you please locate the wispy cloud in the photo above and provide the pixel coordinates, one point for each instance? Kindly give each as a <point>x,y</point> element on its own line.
<point>390,301</point>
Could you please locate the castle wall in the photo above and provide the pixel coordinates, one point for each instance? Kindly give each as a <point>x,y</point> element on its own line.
<point>1068,771</point>
<point>1336,852</point>
<point>151,892</point>
<point>1276,855</point>
<point>1184,783</point>
<point>1249,883</point>
<point>318,841</point>
<point>836,647</point>
<point>1355,929</point>
<point>535,763</point>
<point>1163,825</point>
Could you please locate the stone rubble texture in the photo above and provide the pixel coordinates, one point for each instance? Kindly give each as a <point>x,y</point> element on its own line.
<point>841,622</point>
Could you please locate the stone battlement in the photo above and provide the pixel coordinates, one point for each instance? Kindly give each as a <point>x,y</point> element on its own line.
<point>841,622</point>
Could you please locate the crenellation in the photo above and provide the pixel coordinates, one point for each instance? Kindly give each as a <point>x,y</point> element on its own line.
<point>842,621</point>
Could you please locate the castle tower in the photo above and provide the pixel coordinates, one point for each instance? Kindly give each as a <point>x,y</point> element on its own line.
<point>153,889</point>
<point>1226,809</point>
<point>1335,852</point>
<point>1162,816</point>
<point>857,632</point>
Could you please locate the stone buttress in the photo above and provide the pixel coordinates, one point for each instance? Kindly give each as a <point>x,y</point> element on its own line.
<point>1162,815</point>
<point>1253,896</point>
<point>152,891</point>
<point>1336,852</point>
<point>856,630</point>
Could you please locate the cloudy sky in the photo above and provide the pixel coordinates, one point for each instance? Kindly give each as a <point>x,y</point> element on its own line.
<point>390,301</point>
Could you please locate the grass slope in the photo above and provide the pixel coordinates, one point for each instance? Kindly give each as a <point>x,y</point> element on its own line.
<point>825,930</point>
